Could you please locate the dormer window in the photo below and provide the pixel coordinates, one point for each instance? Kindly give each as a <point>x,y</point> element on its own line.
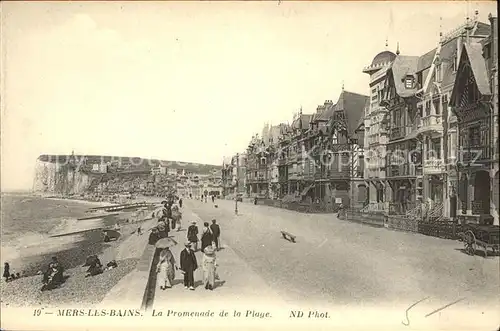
<point>438,73</point>
<point>409,82</point>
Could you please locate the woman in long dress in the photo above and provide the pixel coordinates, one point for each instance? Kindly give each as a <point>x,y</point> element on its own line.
<point>209,268</point>
<point>177,216</point>
<point>166,269</point>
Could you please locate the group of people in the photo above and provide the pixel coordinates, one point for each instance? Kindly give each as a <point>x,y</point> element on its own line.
<point>188,263</point>
<point>9,276</point>
<point>204,197</point>
<point>53,276</point>
<point>210,234</point>
<point>168,219</point>
<point>95,267</point>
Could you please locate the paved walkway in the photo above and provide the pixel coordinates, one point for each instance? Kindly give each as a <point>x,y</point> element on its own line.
<point>238,284</point>
<point>340,262</point>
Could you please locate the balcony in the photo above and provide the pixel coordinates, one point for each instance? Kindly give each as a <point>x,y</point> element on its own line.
<point>475,154</point>
<point>403,170</point>
<point>430,123</point>
<point>398,132</point>
<point>434,166</point>
<point>403,131</point>
<point>336,173</point>
<point>319,175</point>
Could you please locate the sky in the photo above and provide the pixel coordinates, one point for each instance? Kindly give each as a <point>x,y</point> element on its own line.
<point>187,81</point>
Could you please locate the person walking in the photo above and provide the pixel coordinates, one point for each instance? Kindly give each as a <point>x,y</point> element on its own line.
<point>166,269</point>
<point>188,266</point>
<point>209,268</point>
<point>214,227</point>
<point>180,202</point>
<point>207,237</point>
<point>153,236</point>
<point>213,198</point>
<point>192,235</point>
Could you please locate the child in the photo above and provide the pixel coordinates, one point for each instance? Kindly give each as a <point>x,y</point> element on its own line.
<point>6,272</point>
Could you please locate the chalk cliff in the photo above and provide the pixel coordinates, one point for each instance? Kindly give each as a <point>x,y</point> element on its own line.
<point>74,175</point>
<point>51,177</point>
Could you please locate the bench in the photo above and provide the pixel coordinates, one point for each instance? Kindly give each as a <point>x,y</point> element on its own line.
<point>288,236</point>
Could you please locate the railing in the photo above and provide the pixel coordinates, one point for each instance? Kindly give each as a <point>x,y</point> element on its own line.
<point>407,169</point>
<point>475,153</point>
<point>333,173</point>
<point>434,165</point>
<point>431,120</point>
<point>435,211</point>
<point>398,208</point>
<point>445,229</point>
<point>373,207</point>
<point>301,207</point>
<point>397,132</point>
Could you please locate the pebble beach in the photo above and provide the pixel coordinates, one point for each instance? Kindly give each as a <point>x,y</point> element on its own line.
<point>27,225</point>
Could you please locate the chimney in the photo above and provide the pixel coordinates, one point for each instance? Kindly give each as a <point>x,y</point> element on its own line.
<point>468,28</point>
<point>460,45</point>
<point>328,103</point>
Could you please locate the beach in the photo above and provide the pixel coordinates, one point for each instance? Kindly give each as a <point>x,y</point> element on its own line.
<point>28,224</point>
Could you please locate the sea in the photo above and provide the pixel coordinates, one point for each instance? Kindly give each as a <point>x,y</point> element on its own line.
<point>28,223</point>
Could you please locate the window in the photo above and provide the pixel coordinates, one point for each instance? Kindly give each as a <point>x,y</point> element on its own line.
<point>455,62</point>
<point>409,82</point>
<point>436,148</point>
<point>437,108</point>
<point>474,136</point>
<point>487,52</point>
<point>420,111</point>
<point>438,73</point>
<point>427,108</point>
<point>471,89</point>
<point>334,138</point>
<point>445,104</point>
<point>420,79</point>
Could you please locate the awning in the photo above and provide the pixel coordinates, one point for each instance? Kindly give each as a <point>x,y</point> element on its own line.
<point>304,192</point>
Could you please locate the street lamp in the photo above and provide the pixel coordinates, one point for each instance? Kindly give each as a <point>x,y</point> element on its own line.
<point>237,180</point>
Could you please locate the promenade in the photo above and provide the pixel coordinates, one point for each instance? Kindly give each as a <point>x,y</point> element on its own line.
<point>336,262</point>
<point>336,266</point>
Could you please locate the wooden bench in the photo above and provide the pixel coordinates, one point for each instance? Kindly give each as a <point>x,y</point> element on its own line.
<point>288,236</point>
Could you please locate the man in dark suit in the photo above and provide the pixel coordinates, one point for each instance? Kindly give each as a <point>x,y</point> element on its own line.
<point>214,227</point>
<point>188,266</point>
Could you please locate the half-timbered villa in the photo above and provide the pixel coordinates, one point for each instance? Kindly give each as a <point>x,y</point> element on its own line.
<point>474,100</point>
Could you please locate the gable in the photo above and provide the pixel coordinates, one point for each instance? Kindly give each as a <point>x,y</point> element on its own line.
<point>471,67</point>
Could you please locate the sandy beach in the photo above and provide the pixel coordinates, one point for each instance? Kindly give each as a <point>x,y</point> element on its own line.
<point>31,250</point>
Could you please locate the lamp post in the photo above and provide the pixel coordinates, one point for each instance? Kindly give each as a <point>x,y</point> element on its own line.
<point>237,181</point>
